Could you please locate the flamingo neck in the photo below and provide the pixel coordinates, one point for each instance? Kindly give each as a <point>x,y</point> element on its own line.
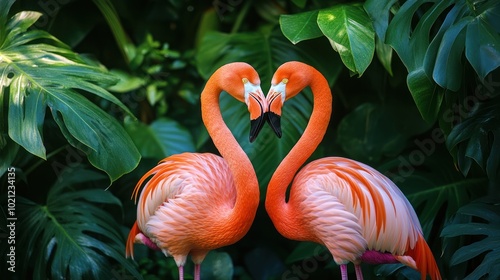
<point>245,179</point>
<point>283,214</point>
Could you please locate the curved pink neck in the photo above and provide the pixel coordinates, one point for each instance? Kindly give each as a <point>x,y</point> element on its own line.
<point>245,179</point>
<point>280,212</point>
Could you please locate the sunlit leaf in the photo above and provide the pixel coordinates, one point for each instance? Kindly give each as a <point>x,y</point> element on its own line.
<point>39,71</point>
<point>351,34</point>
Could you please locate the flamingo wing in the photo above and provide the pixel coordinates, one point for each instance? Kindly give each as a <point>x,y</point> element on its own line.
<point>345,192</point>
<point>183,199</point>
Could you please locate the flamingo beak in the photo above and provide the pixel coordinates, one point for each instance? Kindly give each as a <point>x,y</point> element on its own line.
<point>256,125</point>
<point>275,99</point>
<point>257,106</point>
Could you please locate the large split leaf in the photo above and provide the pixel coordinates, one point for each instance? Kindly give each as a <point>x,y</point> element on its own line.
<point>477,139</point>
<point>411,45</point>
<point>379,10</point>
<point>38,71</point>
<point>434,59</point>
<point>483,40</point>
<point>69,235</point>
<point>486,251</point>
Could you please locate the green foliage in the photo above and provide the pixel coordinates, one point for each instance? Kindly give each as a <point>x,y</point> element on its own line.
<point>424,113</point>
<point>39,71</point>
<point>347,27</point>
<point>477,139</point>
<point>483,221</point>
<point>350,33</point>
<point>69,235</point>
<point>161,138</point>
<point>434,61</point>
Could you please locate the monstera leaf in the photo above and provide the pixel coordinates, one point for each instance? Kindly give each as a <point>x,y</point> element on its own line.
<point>482,220</point>
<point>477,139</point>
<point>69,235</point>
<point>37,71</point>
<point>434,59</point>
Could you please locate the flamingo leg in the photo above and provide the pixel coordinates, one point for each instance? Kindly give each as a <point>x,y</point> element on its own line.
<point>197,268</point>
<point>343,271</point>
<point>181,272</point>
<point>359,272</point>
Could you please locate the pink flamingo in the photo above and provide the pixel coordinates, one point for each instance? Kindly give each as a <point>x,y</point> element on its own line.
<point>197,202</point>
<point>347,206</point>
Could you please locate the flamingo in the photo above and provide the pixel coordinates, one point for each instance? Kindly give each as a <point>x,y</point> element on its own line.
<point>197,202</point>
<point>347,206</point>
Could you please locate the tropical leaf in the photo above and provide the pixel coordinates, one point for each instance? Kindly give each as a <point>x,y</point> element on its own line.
<point>38,75</point>
<point>217,266</point>
<point>411,45</point>
<point>124,43</point>
<point>483,39</point>
<point>434,59</point>
<point>443,56</point>
<point>300,27</point>
<point>379,135</point>
<point>69,235</point>
<point>379,13</point>
<point>162,138</point>
<point>347,27</point>
<point>397,269</point>
<point>435,192</point>
<point>487,229</point>
<point>351,34</point>
<point>305,250</point>
<point>477,138</point>
<point>265,52</point>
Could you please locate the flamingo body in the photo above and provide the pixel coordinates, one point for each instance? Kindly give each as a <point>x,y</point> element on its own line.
<point>192,203</point>
<point>186,193</point>
<point>355,211</point>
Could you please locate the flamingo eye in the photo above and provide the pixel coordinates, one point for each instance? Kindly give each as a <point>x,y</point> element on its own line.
<point>244,80</point>
<point>285,80</point>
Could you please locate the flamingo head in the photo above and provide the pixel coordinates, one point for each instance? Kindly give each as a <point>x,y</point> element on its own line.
<point>240,80</point>
<point>288,80</point>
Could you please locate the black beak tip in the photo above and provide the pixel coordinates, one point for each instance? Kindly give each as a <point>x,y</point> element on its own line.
<point>256,125</point>
<point>274,121</point>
